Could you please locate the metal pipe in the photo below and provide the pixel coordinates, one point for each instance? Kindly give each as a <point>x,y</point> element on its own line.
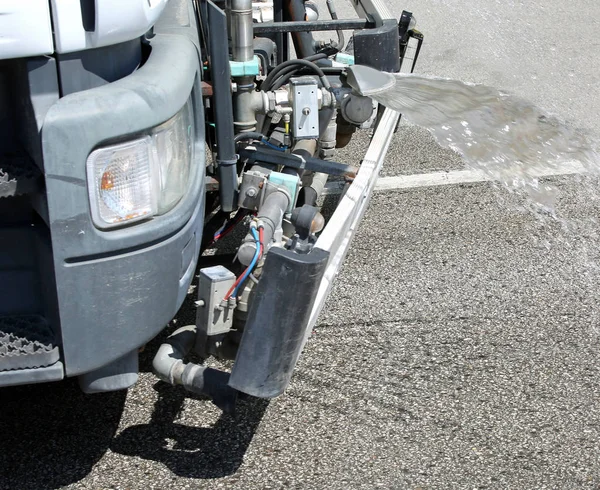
<point>242,35</point>
<point>313,188</point>
<point>247,103</point>
<point>340,33</point>
<point>308,26</point>
<point>168,362</point>
<point>280,37</point>
<point>169,366</point>
<point>270,216</point>
<point>314,164</point>
<point>305,148</point>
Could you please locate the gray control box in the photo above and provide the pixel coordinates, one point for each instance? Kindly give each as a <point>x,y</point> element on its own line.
<point>305,106</point>
<point>213,285</point>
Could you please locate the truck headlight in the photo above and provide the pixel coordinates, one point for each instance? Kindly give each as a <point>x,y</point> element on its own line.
<point>144,177</point>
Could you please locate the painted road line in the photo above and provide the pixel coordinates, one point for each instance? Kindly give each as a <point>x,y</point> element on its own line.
<point>455,177</point>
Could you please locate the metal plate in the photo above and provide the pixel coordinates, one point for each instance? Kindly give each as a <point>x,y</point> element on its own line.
<point>305,106</point>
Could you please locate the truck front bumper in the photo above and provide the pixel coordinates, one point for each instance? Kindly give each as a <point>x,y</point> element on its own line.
<point>117,289</point>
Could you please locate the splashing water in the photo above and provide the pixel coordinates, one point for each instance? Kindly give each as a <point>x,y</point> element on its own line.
<point>510,141</point>
<point>506,138</point>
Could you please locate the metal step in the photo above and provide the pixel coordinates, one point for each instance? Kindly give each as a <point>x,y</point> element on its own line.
<point>26,342</point>
<point>18,174</point>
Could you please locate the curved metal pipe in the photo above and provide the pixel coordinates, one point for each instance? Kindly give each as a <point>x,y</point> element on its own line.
<point>169,366</point>
<point>304,44</point>
<point>270,216</point>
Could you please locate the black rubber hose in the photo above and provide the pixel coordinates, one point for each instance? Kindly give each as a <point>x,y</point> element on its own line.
<point>250,135</point>
<point>283,79</point>
<point>287,72</point>
<point>287,67</point>
<point>340,33</point>
<point>301,63</point>
<point>315,57</point>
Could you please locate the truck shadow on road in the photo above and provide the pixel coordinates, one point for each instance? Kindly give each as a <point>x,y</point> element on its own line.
<point>192,452</point>
<point>52,434</point>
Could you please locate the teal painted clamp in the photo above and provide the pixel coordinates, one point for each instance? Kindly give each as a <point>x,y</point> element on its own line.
<point>345,58</point>
<point>245,68</point>
<point>290,182</point>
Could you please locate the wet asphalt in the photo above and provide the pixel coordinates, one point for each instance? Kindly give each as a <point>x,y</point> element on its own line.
<point>460,345</point>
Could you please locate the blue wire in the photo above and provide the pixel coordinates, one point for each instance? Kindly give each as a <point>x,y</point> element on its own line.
<point>275,147</point>
<point>252,264</point>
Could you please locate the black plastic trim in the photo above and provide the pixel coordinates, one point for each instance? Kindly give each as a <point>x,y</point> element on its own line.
<point>277,321</point>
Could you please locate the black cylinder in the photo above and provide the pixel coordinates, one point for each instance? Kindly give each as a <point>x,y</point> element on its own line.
<point>277,322</point>
<point>303,41</point>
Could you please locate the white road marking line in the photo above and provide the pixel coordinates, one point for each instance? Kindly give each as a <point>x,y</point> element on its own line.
<point>454,177</point>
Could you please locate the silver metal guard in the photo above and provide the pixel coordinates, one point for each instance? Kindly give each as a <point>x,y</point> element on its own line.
<point>338,234</point>
<point>375,10</point>
<point>342,226</point>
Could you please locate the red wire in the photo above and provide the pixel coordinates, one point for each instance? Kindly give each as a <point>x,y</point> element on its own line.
<point>234,286</point>
<point>261,251</point>
<point>261,239</point>
<point>227,230</point>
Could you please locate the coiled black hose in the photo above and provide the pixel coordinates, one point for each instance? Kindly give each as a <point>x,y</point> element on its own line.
<point>291,66</point>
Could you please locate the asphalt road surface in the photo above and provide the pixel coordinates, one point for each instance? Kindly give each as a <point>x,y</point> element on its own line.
<point>459,348</point>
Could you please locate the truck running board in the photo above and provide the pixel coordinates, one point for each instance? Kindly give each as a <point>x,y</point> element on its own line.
<point>28,351</point>
<point>26,342</point>
<point>18,175</point>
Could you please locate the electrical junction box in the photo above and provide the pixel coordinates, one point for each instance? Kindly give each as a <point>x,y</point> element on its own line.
<point>213,285</point>
<point>305,107</point>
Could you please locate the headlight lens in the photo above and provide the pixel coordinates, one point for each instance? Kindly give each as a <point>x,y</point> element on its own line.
<point>173,149</point>
<point>141,178</point>
<point>120,183</point>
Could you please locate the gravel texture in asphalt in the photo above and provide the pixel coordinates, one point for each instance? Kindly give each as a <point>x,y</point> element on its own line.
<point>459,347</point>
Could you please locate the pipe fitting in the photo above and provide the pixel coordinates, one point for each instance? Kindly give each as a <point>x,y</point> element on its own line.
<point>169,366</point>
<point>248,102</point>
<point>168,361</point>
<point>270,216</point>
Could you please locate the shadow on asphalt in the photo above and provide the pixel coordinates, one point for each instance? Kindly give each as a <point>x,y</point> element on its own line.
<point>192,452</point>
<point>52,434</point>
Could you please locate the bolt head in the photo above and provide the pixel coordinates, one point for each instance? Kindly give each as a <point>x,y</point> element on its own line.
<point>251,192</point>
<point>306,111</point>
